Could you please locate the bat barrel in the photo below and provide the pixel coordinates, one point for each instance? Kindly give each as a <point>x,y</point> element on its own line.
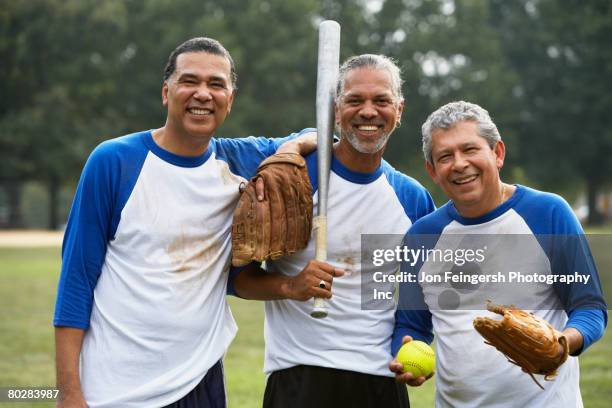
<point>327,76</point>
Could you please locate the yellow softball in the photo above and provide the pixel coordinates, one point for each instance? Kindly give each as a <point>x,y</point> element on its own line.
<point>417,358</point>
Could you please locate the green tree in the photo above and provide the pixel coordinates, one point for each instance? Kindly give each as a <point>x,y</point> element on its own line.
<point>447,51</point>
<point>56,57</point>
<point>560,50</point>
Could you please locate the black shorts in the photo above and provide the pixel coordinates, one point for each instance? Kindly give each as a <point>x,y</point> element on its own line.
<point>209,393</point>
<point>320,387</point>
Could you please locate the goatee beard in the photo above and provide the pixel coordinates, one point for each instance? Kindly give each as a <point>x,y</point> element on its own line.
<point>357,145</point>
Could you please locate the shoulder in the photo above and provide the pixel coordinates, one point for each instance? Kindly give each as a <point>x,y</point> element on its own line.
<point>120,147</point>
<point>432,223</point>
<point>542,199</point>
<point>401,181</point>
<point>116,159</point>
<point>415,199</point>
<point>546,212</point>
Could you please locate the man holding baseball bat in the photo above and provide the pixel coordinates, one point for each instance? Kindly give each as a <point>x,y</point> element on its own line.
<point>141,317</point>
<point>341,360</point>
<point>538,232</point>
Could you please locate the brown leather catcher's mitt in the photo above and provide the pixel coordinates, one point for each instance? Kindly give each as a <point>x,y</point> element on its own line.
<point>281,223</point>
<point>525,339</point>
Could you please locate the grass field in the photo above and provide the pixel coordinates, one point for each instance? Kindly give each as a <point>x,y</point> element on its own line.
<point>28,279</point>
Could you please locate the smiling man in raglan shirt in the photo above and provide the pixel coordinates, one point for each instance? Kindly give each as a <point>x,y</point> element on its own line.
<point>341,360</point>
<point>464,153</point>
<point>141,317</point>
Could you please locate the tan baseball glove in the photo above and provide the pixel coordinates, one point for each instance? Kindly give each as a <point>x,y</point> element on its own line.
<point>282,222</point>
<point>525,339</point>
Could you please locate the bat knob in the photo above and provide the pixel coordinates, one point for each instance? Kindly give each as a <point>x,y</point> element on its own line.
<point>318,313</point>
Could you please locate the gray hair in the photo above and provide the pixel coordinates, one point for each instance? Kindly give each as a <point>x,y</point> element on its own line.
<point>452,113</point>
<point>373,61</point>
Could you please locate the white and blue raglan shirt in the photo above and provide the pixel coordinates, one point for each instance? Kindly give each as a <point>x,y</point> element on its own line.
<point>145,263</point>
<point>349,338</point>
<point>470,373</point>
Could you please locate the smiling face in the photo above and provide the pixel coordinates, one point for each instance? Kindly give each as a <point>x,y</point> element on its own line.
<point>198,95</point>
<point>368,111</point>
<point>466,168</point>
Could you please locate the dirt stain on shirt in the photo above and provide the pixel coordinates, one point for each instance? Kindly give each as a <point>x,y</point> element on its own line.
<point>227,177</point>
<point>192,253</point>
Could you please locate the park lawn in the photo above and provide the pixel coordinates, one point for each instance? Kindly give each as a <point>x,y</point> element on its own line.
<point>28,280</point>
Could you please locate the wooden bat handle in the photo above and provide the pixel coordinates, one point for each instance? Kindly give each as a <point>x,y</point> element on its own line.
<point>320,226</point>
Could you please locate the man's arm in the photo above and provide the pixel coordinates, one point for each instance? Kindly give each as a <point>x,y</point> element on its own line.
<point>583,328</point>
<point>244,155</point>
<point>68,343</point>
<point>584,303</point>
<point>303,144</point>
<point>256,284</point>
<point>413,320</point>
<point>574,339</point>
<point>83,253</point>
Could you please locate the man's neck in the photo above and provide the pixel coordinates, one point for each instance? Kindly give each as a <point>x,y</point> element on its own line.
<point>355,160</point>
<point>490,203</point>
<point>185,145</point>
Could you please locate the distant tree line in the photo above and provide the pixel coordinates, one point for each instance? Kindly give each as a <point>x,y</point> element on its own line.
<point>76,72</point>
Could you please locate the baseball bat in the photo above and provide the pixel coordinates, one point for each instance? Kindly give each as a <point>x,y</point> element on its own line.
<point>327,76</point>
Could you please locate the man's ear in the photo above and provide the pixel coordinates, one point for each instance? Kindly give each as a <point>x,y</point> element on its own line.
<point>165,94</point>
<point>231,101</point>
<point>337,114</point>
<point>500,153</point>
<point>400,109</point>
<point>431,170</point>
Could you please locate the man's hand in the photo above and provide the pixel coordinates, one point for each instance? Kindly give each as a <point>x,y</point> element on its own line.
<point>314,280</point>
<point>303,144</point>
<point>75,400</point>
<point>403,377</point>
<point>256,284</point>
